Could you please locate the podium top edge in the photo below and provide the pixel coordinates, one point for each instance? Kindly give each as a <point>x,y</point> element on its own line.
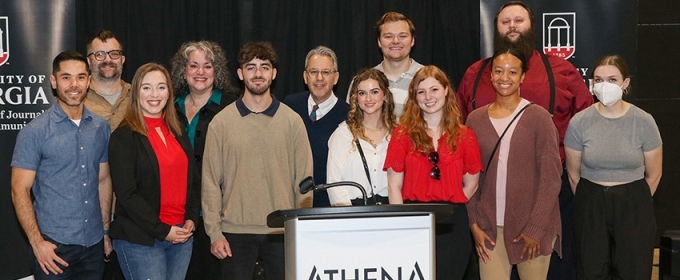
<point>277,218</point>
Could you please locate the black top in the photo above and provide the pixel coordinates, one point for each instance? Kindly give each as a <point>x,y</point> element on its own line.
<point>205,115</point>
<point>135,176</point>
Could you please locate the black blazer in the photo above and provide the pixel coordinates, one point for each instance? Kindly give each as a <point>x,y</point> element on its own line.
<point>204,118</point>
<point>136,183</point>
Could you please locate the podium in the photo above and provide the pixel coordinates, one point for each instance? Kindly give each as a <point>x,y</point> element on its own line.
<point>360,242</point>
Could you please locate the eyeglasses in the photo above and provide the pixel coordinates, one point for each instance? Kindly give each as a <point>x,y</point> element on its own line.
<point>324,73</point>
<point>433,157</point>
<point>101,55</point>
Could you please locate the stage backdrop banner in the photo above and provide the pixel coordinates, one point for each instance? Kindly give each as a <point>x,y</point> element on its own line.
<point>580,31</point>
<point>32,33</point>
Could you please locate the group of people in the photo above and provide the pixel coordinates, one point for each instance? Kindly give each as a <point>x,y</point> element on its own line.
<point>195,166</point>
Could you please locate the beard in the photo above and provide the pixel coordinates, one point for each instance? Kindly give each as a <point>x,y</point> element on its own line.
<point>258,90</point>
<point>99,73</point>
<point>525,43</point>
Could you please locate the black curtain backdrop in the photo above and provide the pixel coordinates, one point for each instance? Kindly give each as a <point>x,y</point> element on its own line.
<point>447,32</point>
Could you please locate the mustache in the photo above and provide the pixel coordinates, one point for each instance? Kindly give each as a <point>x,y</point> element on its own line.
<point>105,64</point>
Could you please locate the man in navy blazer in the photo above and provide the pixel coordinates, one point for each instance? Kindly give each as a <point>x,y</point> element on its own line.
<point>319,109</point>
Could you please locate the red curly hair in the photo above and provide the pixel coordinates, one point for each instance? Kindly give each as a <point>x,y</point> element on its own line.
<point>412,122</point>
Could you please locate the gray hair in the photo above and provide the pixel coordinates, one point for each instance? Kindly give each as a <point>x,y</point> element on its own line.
<point>214,52</point>
<point>323,51</point>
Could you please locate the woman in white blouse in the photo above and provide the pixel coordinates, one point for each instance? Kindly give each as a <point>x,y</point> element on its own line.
<point>357,148</point>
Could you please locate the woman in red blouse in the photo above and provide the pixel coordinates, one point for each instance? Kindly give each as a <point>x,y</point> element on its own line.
<point>151,173</point>
<point>433,157</point>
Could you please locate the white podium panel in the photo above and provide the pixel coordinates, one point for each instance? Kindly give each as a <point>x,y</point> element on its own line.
<point>343,248</point>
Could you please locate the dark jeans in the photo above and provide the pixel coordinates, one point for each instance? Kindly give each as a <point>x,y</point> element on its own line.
<point>203,264</point>
<point>83,262</point>
<point>614,230</point>
<point>245,248</point>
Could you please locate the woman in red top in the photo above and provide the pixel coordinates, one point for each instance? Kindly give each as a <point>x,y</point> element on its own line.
<point>151,173</point>
<point>433,157</point>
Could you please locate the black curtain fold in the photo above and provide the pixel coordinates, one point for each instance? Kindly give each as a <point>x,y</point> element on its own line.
<point>447,32</point>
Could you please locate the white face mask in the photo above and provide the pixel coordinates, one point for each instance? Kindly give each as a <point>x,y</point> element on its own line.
<point>607,93</point>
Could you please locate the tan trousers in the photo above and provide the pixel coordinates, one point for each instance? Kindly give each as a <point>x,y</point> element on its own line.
<point>499,267</point>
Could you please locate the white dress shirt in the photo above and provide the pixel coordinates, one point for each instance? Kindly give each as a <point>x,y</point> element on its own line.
<point>345,164</point>
<point>324,107</point>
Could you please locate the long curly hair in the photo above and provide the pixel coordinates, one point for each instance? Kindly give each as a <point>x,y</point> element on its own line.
<point>355,116</point>
<point>216,55</point>
<point>412,120</point>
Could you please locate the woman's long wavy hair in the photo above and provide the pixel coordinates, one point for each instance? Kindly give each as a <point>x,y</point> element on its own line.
<point>134,117</point>
<point>412,120</point>
<point>355,116</point>
<point>216,55</point>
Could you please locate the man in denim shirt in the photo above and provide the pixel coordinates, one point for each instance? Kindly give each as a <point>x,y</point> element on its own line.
<point>62,157</point>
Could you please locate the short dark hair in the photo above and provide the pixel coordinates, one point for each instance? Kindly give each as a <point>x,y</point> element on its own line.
<point>515,52</point>
<point>66,56</point>
<point>514,3</point>
<point>261,50</point>
<point>393,17</point>
<point>103,36</point>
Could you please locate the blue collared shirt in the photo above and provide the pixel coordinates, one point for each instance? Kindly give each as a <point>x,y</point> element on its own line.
<point>215,97</point>
<point>270,111</point>
<point>66,159</point>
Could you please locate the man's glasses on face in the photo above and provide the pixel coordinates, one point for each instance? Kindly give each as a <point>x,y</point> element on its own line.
<point>101,55</point>
<point>315,73</point>
<point>433,157</point>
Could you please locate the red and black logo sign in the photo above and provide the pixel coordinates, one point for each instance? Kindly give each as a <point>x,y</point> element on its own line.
<point>559,34</point>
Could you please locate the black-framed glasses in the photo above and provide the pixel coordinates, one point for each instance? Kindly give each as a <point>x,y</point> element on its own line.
<point>433,157</point>
<point>101,55</point>
<point>324,73</point>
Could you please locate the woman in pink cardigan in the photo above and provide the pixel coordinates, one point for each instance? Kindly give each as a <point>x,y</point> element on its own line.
<point>514,216</point>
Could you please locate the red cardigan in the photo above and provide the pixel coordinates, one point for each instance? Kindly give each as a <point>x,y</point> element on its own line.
<point>533,183</point>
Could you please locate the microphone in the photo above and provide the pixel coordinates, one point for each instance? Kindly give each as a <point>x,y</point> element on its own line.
<point>308,184</point>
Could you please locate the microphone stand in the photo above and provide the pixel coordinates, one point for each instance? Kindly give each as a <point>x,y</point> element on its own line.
<point>308,184</point>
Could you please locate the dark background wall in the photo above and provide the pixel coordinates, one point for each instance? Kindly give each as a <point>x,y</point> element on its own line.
<point>447,36</point>
<point>446,32</point>
<point>657,91</point>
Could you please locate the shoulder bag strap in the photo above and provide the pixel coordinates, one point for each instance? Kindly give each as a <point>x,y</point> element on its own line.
<point>504,131</point>
<point>368,174</point>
